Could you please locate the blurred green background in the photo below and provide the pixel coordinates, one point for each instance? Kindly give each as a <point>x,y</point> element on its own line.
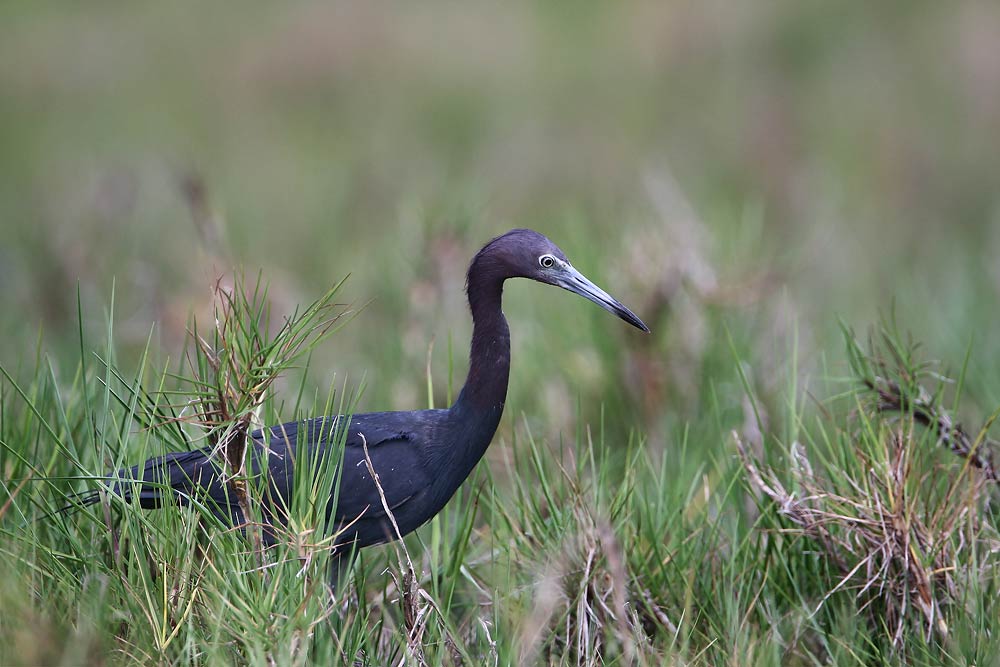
<point>764,167</point>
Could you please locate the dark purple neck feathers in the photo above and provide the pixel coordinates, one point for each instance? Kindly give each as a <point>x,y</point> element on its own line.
<point>485,387</point>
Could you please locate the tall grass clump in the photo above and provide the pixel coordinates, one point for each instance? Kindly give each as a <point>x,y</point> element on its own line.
<point>872,522</point>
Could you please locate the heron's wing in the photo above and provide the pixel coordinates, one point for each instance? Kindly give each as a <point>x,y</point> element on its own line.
<point>401,475</point>
<point>393,446</point>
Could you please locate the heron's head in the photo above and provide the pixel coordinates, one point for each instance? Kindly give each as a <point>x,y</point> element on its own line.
<point>523,253</point>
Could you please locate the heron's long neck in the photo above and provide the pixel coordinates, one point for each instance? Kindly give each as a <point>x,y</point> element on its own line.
<point>485,387</point>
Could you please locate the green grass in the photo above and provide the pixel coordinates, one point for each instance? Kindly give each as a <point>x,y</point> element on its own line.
<point>861,541</point>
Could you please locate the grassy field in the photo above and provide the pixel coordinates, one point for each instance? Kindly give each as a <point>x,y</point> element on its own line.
<point>799,198</point>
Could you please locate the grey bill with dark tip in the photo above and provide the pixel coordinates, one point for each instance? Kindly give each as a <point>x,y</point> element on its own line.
<point>576,282</point>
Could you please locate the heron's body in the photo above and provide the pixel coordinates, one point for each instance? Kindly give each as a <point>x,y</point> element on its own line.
<point>421,457</point>
<point>400,446</point>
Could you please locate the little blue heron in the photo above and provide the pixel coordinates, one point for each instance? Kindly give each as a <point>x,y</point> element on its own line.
<point>421,457</point>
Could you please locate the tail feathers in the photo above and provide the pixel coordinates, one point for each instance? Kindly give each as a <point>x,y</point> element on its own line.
<point>167,479</point>
<point>77,501</point>
<point>173,478</point>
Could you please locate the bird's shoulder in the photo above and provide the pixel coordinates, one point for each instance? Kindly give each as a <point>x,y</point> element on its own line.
<point>369,429</point>
<point>374,428</point>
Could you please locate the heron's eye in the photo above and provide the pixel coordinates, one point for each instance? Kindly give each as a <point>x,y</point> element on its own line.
<point>547,261</point>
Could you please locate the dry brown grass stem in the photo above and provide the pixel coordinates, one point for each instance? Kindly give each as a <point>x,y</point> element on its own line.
<point>232,442</point>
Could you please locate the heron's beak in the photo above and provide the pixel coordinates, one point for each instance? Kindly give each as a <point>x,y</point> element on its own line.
<point>574,281</point>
